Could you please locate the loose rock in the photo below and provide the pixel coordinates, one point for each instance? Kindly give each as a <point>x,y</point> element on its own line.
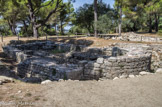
<point>159,70</point>
<point>46,82</point>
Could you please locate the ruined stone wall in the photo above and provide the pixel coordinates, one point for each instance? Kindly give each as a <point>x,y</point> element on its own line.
<point>156,61</point>
<point>15,53</point>
<point>120,60</point>
<point>154,49</point>
<point>118,66</point>
<point>138,37</point>
<point>49,45</point>
<point>48,69</point>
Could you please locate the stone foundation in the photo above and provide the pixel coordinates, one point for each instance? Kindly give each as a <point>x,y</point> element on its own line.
<point>81,63</point>
<point>140,38</point>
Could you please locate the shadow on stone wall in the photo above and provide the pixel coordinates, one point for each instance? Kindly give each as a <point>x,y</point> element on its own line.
<point>7,66</point>
<point>73,40</point>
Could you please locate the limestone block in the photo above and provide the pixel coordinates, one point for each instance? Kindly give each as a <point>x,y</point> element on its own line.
<point>100,60</point>
<point>159,70</point>
<point>46,82</point>
<point>112,59</point>
<point>96,65</point>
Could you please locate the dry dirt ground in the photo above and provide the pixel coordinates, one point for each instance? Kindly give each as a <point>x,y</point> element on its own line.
<point>145,91</point>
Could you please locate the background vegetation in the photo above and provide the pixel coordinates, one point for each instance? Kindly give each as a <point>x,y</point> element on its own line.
<point>41,17</point>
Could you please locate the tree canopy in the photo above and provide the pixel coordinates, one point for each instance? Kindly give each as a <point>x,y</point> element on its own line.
<point>37,17</point>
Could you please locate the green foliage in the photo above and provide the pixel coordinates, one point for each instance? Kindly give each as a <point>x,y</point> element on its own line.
<point>16,12</point>
<point>84,17</point>
<point>66,16</point>
<point>160,26</point>
<point>65,76</point>
<point>4,28</point>
<point>143,14</point>
<point>77,29</point>
<point>137,15</point>
<point>106,23</point>
<point>127,25</point>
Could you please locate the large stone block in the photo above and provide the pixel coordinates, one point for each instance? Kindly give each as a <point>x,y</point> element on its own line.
<point>96,65</point>
<point>100,60</point>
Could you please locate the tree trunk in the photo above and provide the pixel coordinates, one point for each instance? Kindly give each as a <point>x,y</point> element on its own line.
<point>33,19</point>
<point>62,31</point>
<point>95,18</point>
<point>1,37</point>
<point>156,23</point>
<point>150,25</point>
<point>55,28</point>
<point>120,20</point>
<point>35,31</point>
<point>12,28</point>
<point>25,26</point>
<point>18,37</point>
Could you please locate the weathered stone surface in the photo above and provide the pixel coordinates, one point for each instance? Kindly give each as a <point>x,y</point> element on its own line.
<point>123,76</point>
<point>144,73</point>
<point>46,82</point>
<point>116,78</point>
<point>131,76</point>
<point>112,59</point>
<point>82,63</point>
<point>4,79</point>
<point>159,70</point>
<point>100,60</point>
<point>96,65</point>
<point>131,36</point>
<point>32,79</point>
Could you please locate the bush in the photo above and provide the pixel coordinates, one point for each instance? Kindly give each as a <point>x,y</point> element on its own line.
<point>160,32</point>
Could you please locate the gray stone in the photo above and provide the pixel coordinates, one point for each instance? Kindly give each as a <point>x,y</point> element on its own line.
<point>46,82</point>
<point>96,65</point>
<point>32,80</point>
<point>61,80</point>
<point>97,69</point>
<point>116,78</point>
<point>144,73</point>
<point>108,63</point>
<point>159,70</point>
<point>4,79</point>
<point>100,60</point>
<point>123,76</point>
<point>131,76</point>
<point>112,59</point>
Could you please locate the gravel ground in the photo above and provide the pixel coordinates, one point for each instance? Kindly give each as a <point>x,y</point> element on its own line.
<point>145,91</point>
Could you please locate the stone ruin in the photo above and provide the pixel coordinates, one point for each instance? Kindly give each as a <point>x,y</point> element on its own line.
<point>131,36</point>
<point>48,60</point>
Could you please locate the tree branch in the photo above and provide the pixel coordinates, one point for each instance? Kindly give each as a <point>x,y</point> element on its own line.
<point>50,14</point>
<point>42,6</point>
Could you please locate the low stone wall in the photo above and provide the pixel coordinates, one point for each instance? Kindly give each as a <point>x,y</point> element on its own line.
<point>112,67</point>
<point>15,53</point>
<point>44,68</point>
<point>49,45</point>
<point>154,49</point>
<point>131,36</point>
